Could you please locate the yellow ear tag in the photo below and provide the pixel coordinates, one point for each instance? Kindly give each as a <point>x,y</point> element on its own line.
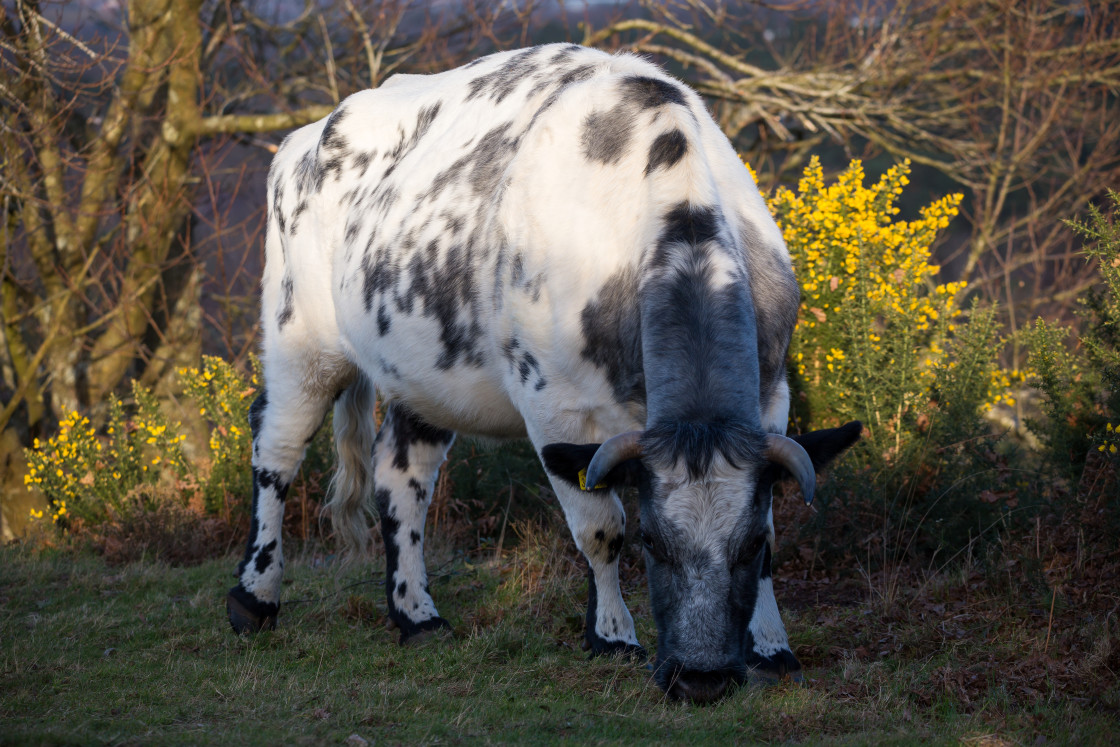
<point>583,481</point>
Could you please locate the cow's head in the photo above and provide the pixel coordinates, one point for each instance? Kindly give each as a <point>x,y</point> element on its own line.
<point>706,525</point>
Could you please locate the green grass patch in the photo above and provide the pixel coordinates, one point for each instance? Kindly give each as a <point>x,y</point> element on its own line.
<point>142,653</point>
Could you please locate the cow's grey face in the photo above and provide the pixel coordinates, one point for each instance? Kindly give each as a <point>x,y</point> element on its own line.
<point>707,551</point>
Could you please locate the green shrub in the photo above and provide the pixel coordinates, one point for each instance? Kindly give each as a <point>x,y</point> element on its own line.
<point>223,396</point>
<point>1081,386</point>
<point>85,476</point>
<point>109,474</point>
<point>878,340</point>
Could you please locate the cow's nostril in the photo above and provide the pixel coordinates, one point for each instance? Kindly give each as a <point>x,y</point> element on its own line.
<point>700,687</point>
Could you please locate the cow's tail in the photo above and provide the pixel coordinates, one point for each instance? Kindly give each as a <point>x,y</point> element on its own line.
<point>354,432</point>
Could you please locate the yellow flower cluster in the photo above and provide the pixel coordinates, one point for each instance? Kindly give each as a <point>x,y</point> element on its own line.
<point>65,467</point>
<point>871,317</point>
<point>82,473</point>
<point>1000,386</point>
<point>847,247</point>
<point>223,397</point>
<point>1110,440</point>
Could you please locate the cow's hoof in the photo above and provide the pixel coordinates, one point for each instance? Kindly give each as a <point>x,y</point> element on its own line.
<point>619,649</point>
<point>414,634</point>
<point>782,667</point>
<point>247,614</point>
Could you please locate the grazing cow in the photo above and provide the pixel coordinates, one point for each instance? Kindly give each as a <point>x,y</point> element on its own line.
<point>555,243</point>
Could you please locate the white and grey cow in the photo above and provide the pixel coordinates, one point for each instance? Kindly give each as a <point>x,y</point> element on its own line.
<point>556,243</point>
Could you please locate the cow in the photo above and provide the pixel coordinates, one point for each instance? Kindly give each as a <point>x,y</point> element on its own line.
<point>556,243</point>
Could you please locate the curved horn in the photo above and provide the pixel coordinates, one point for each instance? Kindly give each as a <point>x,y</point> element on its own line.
<point>791,455</point>
<point>611,453</point>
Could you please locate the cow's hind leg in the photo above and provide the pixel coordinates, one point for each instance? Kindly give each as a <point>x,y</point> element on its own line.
<point>407,456</point>
<point>283,419</point>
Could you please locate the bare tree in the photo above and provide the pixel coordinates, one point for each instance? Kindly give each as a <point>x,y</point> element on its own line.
<point>1013,100</point>
<point>129,142</point>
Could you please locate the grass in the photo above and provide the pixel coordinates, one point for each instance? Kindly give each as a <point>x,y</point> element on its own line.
<point>142,653</point>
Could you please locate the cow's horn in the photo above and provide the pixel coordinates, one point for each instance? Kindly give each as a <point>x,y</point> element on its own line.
<point>791,455</point>
<point>613,452</point>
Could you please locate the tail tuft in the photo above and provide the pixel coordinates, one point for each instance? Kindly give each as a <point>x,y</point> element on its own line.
<point>354,433</point>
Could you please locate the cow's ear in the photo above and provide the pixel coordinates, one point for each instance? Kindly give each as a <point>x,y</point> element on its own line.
<point>825,445</point>
<point>569,462</point>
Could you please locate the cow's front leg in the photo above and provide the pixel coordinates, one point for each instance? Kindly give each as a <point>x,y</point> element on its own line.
<point>768,653</point>
<point>281,428</point>
<point>407,456</point>
<point>598,524</point>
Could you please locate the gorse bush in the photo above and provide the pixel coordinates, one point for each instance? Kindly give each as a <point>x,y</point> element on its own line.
<point>1102,306</point>
<point>89,474</point>
<point>1081,384</point>
<point>871,327</point>
<point>223,396</point>
<point>85,476</point>
<point>97,475</point>
<point>879,340</point>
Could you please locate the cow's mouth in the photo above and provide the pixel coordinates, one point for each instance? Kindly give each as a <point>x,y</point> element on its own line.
<point>698,686</point>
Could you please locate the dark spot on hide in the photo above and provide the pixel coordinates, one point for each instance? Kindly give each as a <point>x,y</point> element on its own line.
<point>266,478</point>
<point>407,143</point>
<point>332,139</point>
<point>407,429</point>
<point>414,536</point>
<point>402,588</point>
<point>264,557</point>
<point>379,274</point>
<point>332,152</point>
<point>300,208</point>
<point>352,229</point>
<point>666,150</point>
<point>688,225</point>
<point>482,168</point>
<point>304,174</point>
<point>418,489</point>
<point>278,207</point>
<point>565,55</point>
<point>575,75</point>
<point>287,306</point>
<point>528,364</point>
<point>647,93</point>
<point>614,549</point>
<point>362,161</point>
<point>388,368</point>
<point>389,528</point>
<point>382,320</point>
<point>612,331</point>
<point>256,412</point>
<point>606,134</point>
<point>500,83</point>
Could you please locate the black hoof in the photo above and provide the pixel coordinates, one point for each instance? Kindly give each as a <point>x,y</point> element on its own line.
<point>773,670</point>
<point>414,634</point>
<point>620,649</point>
<point>247,614</point>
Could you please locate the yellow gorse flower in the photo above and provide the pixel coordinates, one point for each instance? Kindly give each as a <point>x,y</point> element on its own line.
<point>82,473</point>
<point>870,307</point>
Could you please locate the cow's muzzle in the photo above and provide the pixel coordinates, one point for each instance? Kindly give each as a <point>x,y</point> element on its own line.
<point>701,687</point>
